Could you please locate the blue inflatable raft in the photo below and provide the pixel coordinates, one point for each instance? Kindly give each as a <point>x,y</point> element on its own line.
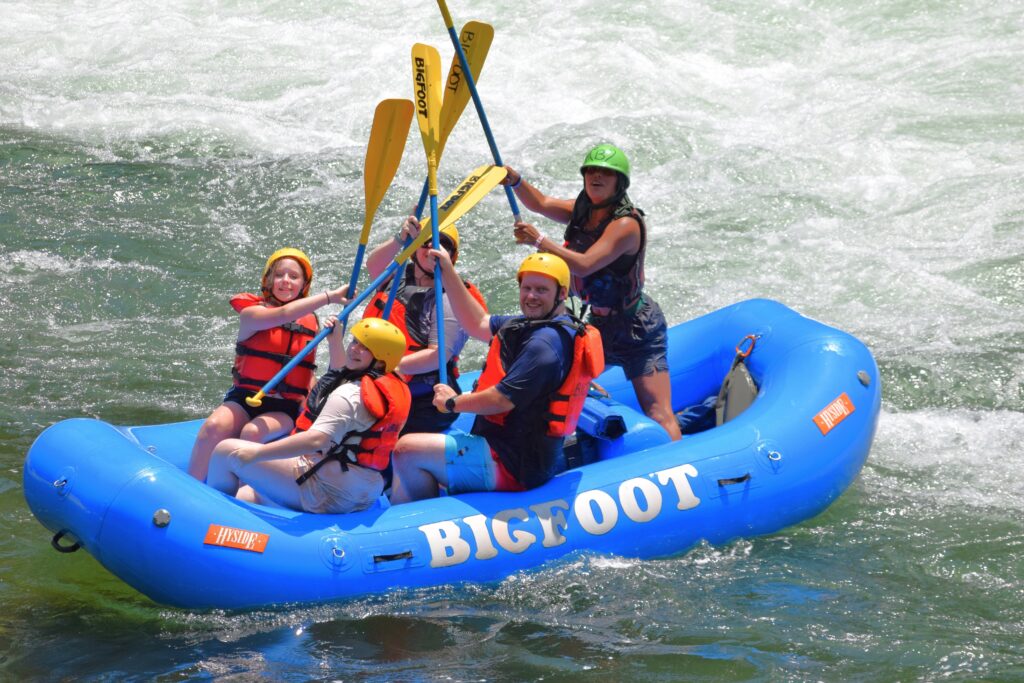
<point>122,493</point>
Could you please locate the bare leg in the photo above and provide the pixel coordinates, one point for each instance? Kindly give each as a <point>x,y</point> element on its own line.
<point>419,466</point>
<point>248,494</point>
<point>267,427</point>
<point>222,475</point>
<point>654,392</point>
<point>226,421</point>
<point>251,495</point>
<point>272,482</point>
<point>273,479</point>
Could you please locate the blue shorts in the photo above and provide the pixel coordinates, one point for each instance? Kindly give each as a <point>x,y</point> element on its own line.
<point>472,465</point>
<point>637,343</point>
<point>468,463</point>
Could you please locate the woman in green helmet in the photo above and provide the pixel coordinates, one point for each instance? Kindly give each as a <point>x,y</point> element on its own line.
<point>605,243</point>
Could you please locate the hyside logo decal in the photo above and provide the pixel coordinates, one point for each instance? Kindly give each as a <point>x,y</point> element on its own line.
<point>834,413</point>
<point>229,537</point>
<point>421,86</point>
<point>596,512</point>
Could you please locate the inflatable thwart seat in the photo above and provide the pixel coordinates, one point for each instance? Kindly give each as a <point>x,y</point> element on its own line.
<point>608,428</point>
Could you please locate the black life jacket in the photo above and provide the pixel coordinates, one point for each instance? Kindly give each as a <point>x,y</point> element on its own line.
<point>385,397</point>
<point>619,284</point>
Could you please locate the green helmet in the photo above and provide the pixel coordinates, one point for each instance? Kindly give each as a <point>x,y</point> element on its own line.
<point>608,156</point>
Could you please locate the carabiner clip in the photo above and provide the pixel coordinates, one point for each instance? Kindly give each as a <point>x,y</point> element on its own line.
<point>743,353</point>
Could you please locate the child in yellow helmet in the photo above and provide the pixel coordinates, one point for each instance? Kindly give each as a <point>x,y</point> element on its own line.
<point>339,456</point>
<point>273,326</point>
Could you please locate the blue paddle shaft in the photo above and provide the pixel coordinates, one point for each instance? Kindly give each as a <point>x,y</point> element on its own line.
<point>355,277</point>
<point>396,283</point>
<point>468,75</point>
<point>355,270</point>
<point>438,293</point>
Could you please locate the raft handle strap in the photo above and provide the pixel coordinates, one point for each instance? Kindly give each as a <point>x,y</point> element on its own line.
<point>55,542</point>
<point>734,480</point>
<point>405,555</point>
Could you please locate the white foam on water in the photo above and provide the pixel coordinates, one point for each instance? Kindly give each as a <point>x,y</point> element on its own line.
<point>954,458</point>
<point>24,266</point>
<point>281,79</point>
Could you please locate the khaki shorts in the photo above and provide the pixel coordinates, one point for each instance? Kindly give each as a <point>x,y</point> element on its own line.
<point>334,491</point>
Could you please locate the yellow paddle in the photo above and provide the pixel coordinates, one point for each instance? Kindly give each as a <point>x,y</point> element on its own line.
<point>390,130</point>
<point>470,191</point>
<point>426,74</point>
<point>476,40</point>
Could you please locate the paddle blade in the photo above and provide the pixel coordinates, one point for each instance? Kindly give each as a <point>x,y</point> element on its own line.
<point>390,130</point>
<point>469,192</point>
<point>426,74</point>
<point>476,38</point>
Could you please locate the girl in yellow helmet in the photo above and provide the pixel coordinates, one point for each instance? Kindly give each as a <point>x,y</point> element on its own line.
<point>273,326</point>
<point>338,458</point>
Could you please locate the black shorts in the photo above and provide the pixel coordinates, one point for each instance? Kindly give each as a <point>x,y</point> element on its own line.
<point>637,343</point>
<point>270,404</point>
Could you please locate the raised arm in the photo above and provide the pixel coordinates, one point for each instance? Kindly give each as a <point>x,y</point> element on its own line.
<point>622,236</point>
<point>468,311</point>
<point>558,210</point>
<point>383,254</point>
<point>336,343</point>
<point>256,318</point>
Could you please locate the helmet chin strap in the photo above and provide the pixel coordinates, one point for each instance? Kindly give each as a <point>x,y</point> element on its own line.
<point>274,300</point>
<point>558,302</point>
<point>268,294</point>
<point>421,269</point>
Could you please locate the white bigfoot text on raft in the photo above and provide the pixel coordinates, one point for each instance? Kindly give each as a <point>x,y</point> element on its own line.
<point>596,511</point>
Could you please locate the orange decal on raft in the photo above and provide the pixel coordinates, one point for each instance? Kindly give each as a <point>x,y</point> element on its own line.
<point>834,413</point>
<point>230,537</point>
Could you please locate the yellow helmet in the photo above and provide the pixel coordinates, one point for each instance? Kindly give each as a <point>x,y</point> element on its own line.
<point>288,252</point>
<point>546,264</point>
<point>385,341</point>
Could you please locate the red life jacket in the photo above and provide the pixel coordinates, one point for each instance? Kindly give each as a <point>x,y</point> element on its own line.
<point>566,403</point>
<point>385,397</point>
<point>261,356</point>
<point>408,313</point>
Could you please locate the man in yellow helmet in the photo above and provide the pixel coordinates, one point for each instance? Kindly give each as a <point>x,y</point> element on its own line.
<point>528,397</point>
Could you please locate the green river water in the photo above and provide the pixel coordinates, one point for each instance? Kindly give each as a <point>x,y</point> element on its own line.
<point>859,161</point>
